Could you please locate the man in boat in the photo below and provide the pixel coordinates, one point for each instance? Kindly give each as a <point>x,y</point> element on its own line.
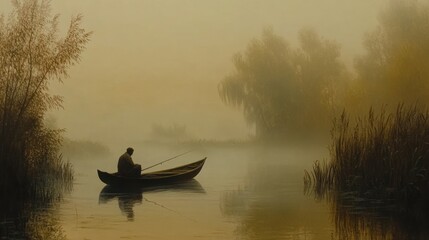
<point>126,166</point>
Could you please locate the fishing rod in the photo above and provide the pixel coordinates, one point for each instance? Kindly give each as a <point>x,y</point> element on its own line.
<point>169,209</point>
<point>167,160</point>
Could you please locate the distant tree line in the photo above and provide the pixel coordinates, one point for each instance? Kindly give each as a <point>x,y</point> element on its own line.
<point>175,132</point>
<point>288,92</point>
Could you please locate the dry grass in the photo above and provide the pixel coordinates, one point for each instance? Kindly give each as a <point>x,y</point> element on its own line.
<point>382,155</point>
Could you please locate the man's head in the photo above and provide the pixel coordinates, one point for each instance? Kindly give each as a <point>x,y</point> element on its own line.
<point>130,151</point>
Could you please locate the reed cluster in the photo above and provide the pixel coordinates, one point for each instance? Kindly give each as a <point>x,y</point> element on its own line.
<point>32,56</point>
<point>33,177</point>
<point>383,155</point>
<point>34,172</point>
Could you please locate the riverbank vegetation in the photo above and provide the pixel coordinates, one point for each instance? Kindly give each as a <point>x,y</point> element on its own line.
<point>31,57</point>
<point>384,156</point>
<point>292,93</point>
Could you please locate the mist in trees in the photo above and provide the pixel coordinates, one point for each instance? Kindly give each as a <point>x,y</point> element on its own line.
<point>382,155</point>
<point>286,92</point>
<point>31,57</point>
<point>395,65</point>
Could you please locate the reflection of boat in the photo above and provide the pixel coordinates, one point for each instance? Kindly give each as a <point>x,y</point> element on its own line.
<point>172,175</point>
<point>130,196</point>
<point>110,192</point>
<point>127,198</point>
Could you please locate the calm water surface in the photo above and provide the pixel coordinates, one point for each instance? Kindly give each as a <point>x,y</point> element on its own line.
<point>241,193</point>
<point>244,193</point>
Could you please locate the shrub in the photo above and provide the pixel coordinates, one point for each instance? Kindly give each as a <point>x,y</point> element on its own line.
<point>31,56</point>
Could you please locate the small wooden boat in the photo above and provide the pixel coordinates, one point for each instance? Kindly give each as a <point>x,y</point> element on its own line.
<point>173,175</point>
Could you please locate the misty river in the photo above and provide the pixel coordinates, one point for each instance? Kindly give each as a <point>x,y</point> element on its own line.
<point>240,193</point>
<point>243,192</point>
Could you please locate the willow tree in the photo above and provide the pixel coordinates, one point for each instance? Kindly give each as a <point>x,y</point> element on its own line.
<point>31,56</point>
<point>323,80</point>
<point>283,91</point>
<point>395,67</point>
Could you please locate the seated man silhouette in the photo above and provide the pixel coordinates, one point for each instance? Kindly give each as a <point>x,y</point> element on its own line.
<point>126,166</point>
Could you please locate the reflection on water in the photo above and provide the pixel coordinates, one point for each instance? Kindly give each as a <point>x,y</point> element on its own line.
<point>45,224</point>
<point>271,205</point>
<point>35,215</point>
<point>356,218</point>
<point>32,222</point>
<point>249,193</point>
<point>128,197</point>
<point>361,218</point>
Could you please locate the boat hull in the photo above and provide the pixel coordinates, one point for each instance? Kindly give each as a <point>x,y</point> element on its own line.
<point>169,176</point>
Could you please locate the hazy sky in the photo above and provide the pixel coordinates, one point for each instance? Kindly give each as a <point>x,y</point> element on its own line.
<point>160,61</point>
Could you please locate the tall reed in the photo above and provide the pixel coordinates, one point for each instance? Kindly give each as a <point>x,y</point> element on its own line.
<point>383,155</point>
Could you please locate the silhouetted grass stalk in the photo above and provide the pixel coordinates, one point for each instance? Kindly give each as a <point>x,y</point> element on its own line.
<point>382,155</point>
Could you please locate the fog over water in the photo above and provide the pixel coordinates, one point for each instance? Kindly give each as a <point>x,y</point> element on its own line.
<point>159,62</point>
<point>164,77</point>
